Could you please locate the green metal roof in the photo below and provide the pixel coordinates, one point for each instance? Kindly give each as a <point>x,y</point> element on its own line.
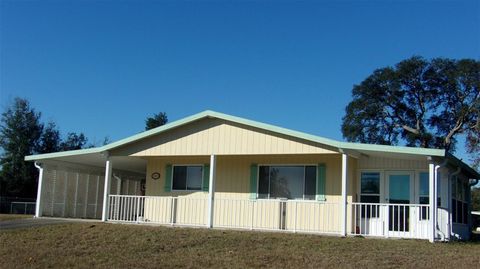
<point>338,145</point>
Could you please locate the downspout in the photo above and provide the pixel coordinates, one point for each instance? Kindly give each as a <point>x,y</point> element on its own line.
<point>450,226</point>
<point>435,200</point>
<point>39,189</point>
<point>119,184</point>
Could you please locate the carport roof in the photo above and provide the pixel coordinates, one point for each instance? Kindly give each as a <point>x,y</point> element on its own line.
<point>342,147</point>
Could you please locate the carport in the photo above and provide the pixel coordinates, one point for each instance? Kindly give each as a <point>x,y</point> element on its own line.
<point>72,183</point>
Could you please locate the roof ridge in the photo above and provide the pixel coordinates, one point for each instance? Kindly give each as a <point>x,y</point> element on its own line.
<point>339,145</point>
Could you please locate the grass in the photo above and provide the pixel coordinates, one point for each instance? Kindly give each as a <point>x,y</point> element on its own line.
<point>100,245</point>
<point>4,217</point>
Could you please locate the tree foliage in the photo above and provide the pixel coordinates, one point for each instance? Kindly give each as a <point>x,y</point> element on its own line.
<point>156,120</point>
<point>418,102</point>
<point>74,141</point>
<point>50,139</point>
<point>20,131</point>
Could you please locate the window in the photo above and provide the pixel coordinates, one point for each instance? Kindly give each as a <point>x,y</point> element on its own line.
<point>187,177</point>
<point>290,182</point>
<point>370,193</point>
<point>423,195</point>
<point>459,201</point>
<point>424,191</point>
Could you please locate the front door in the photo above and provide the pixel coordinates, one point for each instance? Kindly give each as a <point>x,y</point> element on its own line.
<point>399,194</point>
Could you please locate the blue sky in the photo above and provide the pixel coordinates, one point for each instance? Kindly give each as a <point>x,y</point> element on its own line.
<point>102,67</point>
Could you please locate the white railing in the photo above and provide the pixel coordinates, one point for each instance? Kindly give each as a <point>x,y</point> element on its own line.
<point>275,215</point>
<point>158,209</point>
<point>126,208</point>
<point>390,220</point>
<point>287,215</point>
<point>367,219</point>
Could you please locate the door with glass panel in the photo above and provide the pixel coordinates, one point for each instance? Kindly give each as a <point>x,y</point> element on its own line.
<point>369,217</point>
<point>422,212</point>
<point>399,195</point>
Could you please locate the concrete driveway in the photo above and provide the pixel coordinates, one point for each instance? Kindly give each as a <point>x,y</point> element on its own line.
<point>35,222</point>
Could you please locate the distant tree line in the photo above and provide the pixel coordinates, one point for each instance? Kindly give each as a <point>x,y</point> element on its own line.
<point>23,133</point>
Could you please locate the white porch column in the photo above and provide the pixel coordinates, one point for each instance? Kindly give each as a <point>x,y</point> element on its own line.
<point>211,190</point>
<point>432,198</point>
<point>106,189</point>
<point>344,193</point>
<point>38,207</point>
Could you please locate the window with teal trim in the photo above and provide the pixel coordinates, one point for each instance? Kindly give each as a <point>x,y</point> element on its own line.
<point>187,178</point>
<point>287,182</point>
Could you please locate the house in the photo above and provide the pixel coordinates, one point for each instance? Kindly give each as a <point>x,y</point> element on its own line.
<point>216,170</point>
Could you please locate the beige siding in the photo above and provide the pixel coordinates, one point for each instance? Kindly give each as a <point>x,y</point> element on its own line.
<point>214,136</point>
<point>232,193</point>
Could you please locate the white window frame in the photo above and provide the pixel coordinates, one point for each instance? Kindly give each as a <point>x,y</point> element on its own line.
<point>418,196</point>
<point>287,165</point>
<point>186,179</point>
<point>381,190</point>
<point>380,186</point>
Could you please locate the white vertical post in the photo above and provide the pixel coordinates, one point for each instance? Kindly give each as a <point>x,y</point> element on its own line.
<point>76,197</point>
<point>431,181</point>
<point>86,196</point>
<point>54,181</point>
<point>344,193</point>
<point>211,190</point>
<point>65,193</point>
<point>39,191</point>
<point>97,189</point>
<point>106,189</point>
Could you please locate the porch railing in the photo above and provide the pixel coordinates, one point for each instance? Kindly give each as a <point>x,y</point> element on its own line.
<point>391,220</point>
<point>286,215</point>
<point>367,219</point>
<point>157,209</point>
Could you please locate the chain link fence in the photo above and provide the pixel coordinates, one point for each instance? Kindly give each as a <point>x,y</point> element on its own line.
<point>17,205</point>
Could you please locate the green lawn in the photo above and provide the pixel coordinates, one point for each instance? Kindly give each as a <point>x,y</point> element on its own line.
<point>4,217</point>
<point>87,245</point>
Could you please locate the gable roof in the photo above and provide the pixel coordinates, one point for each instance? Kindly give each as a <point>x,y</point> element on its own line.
<point>339,145</point>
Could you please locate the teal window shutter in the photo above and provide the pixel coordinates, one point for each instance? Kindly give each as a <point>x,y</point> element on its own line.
<point>168,178</point>
<point>206,177</point>
<point>253,181</point>
<point>321,178</point>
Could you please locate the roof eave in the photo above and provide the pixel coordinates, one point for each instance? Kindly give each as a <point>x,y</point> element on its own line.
<point>63,154</point>
<point>457,162</point>
<point>393,149</point>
